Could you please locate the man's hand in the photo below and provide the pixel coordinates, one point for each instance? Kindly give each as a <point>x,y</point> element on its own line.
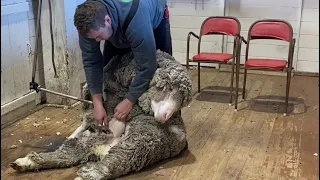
<point>99,113</point>
<point>123,109</point>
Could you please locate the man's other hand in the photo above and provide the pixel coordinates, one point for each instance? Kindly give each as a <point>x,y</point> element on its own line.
<point>123,109</point>
<point>99,113</point>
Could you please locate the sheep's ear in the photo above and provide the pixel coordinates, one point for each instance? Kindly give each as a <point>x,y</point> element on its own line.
<point>168,115</point>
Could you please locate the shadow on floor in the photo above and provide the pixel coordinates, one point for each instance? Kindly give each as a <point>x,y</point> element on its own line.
<point>48,147</point>
<point>276,104</point>
<point>268,104</point>
<point>218,94</point>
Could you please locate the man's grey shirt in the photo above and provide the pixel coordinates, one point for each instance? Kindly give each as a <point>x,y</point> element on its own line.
<point>139,37</point>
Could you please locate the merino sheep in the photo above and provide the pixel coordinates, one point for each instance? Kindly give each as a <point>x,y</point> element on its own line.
<point>153,131</point>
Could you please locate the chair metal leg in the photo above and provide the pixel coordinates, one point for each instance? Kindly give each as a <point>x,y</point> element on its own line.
<point>198,77</point>
<point>231,83</point>
<point>237,85</point>
<point>287,92</point>
<point>244,83</point>
<point>187,64</point>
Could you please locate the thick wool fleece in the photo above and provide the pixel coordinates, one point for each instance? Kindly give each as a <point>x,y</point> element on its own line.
<point>145,140</point>
<point>170,75</point>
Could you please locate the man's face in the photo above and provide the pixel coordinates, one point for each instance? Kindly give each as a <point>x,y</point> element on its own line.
<point>103,33</point>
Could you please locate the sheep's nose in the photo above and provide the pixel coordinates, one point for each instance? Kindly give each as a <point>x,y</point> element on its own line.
<point>160,117</point>
<point>163,110</point>
<point>163,116</point>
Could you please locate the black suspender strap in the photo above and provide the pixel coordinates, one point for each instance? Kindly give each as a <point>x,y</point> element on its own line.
<point>132,12</point>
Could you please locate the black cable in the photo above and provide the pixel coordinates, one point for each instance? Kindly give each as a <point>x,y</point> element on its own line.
<point>35,59</point>
<point>52,41</point>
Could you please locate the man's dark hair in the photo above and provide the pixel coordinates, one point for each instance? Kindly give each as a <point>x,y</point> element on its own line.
<point>89,15</point>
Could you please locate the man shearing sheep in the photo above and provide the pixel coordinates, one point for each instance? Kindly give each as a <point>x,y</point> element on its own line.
<point>140,26</point>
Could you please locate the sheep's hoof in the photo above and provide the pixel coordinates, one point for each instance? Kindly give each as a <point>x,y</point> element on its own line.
<point>235,110</point>
<point>284,114</point>
<point>230,104</point>
<point>23,164</point>
<point>15,166</point>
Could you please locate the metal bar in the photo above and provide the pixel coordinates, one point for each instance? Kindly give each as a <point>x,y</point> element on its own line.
<point>64,95</point>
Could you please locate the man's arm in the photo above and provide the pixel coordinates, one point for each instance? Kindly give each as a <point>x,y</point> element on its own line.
<point>92,64</point>
<point>144,50</point>
<point>93,67</point>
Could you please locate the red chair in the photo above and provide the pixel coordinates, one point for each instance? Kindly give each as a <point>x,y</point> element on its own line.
<point>216,25</point>
<point>276,30</point>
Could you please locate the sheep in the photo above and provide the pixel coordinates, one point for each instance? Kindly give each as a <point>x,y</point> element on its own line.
<point>153,130</point>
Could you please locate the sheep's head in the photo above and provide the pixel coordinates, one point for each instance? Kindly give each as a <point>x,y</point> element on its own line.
<point>165,103</point>
<point>169,90</point>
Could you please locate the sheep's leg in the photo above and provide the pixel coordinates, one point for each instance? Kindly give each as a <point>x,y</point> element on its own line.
<point>71,153</point>
<point>144,145</point>
<point>77,133</point>
<point>87,120</point>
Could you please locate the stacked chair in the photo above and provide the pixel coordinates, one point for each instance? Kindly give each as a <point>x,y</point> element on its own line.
<point>262,29</point>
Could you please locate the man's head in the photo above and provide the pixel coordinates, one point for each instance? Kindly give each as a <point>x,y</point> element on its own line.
<point>92,20</point>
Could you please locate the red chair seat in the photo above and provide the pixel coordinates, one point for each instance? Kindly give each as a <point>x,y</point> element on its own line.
<point>220,57</point>
<point>266,64</point>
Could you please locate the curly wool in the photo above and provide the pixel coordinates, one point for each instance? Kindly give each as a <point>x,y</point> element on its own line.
<point>170,75</point>
<point>145,141</point>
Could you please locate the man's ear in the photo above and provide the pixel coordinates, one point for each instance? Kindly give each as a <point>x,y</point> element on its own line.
<point>107,19</point>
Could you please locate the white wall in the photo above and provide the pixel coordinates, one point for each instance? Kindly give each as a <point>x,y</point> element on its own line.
<point>15,62</point>
<point>186,16</point>
<point>308,56</point>
<point>248,11</point>
<point>17,51</point>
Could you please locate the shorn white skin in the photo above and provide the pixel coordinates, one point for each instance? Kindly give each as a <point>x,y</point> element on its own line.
<point>164,109</point>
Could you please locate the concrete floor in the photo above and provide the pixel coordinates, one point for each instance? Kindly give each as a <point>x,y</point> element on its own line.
<point>256,142</point>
